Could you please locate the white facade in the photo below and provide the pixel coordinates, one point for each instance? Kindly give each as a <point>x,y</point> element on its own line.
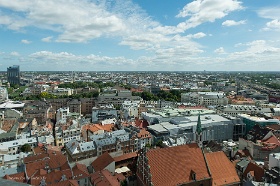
<point>61,114</point>
<point>103,113</point>
<point>62,91</point>
<point>3,94</point>
<point>71,133</point>
<point>205,98</point>
<point>274,160</point>
<point>130,109</point>
<point>13,147</point>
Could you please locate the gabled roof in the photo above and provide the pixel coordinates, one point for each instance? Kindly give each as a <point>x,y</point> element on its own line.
<point>244,154</point>
<point>104,178</point>
<point>258,171</point>
<point>175,165</point>
<point>102,162</point>
<point>52,161</point>
<point>80,171</point>
<point>222,170</point>
<point>50,178</point>
<point>18,177</point>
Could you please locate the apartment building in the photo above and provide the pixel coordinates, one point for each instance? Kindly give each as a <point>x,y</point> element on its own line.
<point>205,98</point>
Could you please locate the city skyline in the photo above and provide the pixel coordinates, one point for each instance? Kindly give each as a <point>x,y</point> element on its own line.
<point>126,35</point>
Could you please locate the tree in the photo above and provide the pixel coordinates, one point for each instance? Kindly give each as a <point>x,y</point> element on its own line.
<point>25,148</point>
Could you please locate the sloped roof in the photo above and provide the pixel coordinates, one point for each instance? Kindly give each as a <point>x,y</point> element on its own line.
<point>258,171</point>
<point>125,156</point>
<point>80,171</point>
<point>102,162</point>
<point>174,165</point>
<point>104,178</point>
<point>66,183</point>
<point>222,170</point>
<point>18,177</point>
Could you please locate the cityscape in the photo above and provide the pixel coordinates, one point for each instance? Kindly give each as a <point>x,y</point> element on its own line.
<point>139,93</point>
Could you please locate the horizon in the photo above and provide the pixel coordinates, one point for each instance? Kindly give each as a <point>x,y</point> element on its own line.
<point>140,35</point>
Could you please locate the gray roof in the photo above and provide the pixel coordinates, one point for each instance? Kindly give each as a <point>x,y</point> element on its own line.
<point>13,170</point>
<point>105,141</point>
<point>86,146</point>
<point>11,183</point>
<point>72,146</point>
<point>158,128</point>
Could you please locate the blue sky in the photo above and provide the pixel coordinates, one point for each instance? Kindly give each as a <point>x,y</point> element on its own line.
<point>140,35</point>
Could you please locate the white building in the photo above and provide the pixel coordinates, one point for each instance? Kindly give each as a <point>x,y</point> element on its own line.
<point>205,98</point>
<point>13,147</point>
<point>72,132</point>
<point>235,110</point>
<point>103,112</point>
<point>130,109</point>
<point>3,94</point>
<point>61,114</point>
<point>62,91</point>
<point>274,160</point>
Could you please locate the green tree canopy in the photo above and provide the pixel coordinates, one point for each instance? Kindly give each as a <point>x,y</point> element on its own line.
<point>25,148</point>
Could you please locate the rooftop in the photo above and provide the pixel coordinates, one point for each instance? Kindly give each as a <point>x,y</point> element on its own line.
<point>174,165</point>
<point>222,170</point>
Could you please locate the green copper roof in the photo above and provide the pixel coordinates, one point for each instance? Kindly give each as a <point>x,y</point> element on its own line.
<point>198,126</point>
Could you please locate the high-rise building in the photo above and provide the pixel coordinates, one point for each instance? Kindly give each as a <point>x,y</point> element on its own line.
<point>13,74</point>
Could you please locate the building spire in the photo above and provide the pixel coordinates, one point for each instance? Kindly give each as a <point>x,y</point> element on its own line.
<point>198,126</point>
<point>199,132</point>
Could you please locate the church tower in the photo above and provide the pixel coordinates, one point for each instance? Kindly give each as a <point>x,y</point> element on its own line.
<point>199,132</point>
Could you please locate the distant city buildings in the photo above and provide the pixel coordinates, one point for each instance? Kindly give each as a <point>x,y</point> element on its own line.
<point>102,128</point>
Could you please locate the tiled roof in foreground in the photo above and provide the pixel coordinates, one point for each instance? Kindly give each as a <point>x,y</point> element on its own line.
<point>222,170</point>
<point>175,165</point>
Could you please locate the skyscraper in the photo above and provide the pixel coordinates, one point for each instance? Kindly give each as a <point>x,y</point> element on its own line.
<point>13,75</point>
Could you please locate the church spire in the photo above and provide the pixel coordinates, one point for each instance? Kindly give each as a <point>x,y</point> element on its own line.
<point>199,132</point>
<point>198,126</point>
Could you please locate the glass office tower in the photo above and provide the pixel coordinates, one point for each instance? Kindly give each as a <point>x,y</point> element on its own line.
<point>13,75</point>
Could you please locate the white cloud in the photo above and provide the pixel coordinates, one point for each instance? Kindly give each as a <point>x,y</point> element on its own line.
<point>197,35</point>
<point>233,23</point>
<point>24,41</point>
<point>254,55</point>
<point>69,61</point>
<point>273,25</point>
<point>220,50</point>
<point>83,21</point>
<point>77,21</point>
<point>47,39</point>
<point>272,13</point>
<point>201,11</point>
<point>14,54</point>
<point>269,13</point>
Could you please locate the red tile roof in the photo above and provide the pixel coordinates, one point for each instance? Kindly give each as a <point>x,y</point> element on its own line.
<point>125,156</point>
<point>18,177</point>
<point>102,162</point>
<point>42,161</point>
<point>65,183</point>
<point>50,178</point>
<point>80,171</point>
<point>244,153</point>
<point>143,134</point>
<point>273,127</point>
<point>104,178</point>
<point>174,165</point>
<point>222,170</point>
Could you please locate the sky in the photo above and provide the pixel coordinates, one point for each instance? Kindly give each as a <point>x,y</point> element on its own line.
<point>140,35</point>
